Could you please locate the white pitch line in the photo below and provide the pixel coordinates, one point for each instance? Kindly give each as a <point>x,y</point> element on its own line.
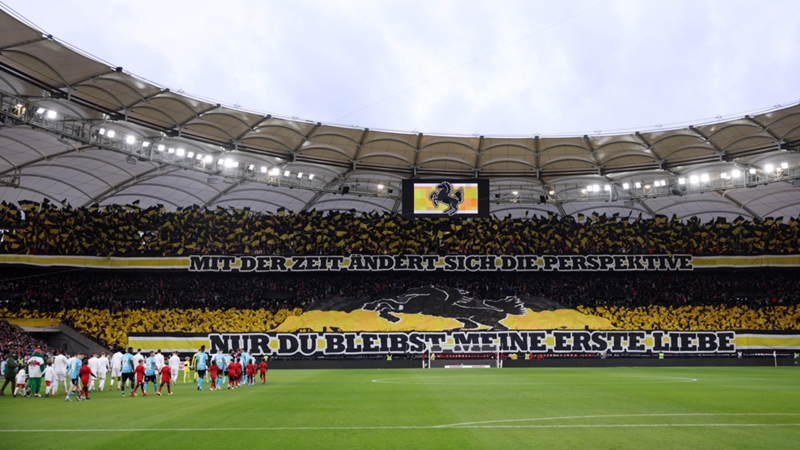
<point>609,416</point>
<point>489,424</point>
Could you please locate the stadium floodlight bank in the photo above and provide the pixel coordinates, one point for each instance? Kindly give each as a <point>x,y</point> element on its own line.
<point>479,356</point>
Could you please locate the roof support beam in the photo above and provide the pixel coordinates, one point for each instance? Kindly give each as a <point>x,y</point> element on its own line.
<point>44,158</point>
<point>647,208</point>
<point>710,142</point>
<point>594,154</point>
<point>298,147</point>
<point>223,193</point>
<point>29,41</point>
<point>650,147</point>
<point>418,150</point>
<point>327,188</point>
<point>120,186</point>
<point>763,128</point>
<point>726,195</point>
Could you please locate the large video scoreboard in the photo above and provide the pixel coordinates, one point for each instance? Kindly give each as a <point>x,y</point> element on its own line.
<point>446,197</point>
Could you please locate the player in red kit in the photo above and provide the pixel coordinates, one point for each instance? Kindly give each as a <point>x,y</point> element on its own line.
<point>262,369</point>
<point>239,372</point>
<point>85,374</point>
<point>166,374</point>
<point>213,369</point>
<point>251,373</point>
<point>234,372</point>
<point>139,372</point>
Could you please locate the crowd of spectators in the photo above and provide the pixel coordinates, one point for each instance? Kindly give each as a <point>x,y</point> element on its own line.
<point>52,291</point>
<point>14,341</point>
<point>127,230</point>
<point>107,305</point>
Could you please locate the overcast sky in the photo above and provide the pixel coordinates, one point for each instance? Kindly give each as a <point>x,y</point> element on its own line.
<point>461,67</point>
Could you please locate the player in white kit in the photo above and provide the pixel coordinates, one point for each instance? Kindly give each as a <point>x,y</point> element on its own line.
<point>49,378</point>
<point>116,369</point>
<point>94,364</point>
<point>159,363</point>
<point>137,357</point>
<point>60,371</point>
<point>174,365</point>
<point>102,369</point>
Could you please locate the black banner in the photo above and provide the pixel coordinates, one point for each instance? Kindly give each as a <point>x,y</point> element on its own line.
<point>446,263</point>
<point>566,341</point>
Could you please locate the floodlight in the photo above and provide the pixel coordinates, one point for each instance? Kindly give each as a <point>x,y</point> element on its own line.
<point>311,176</point>
<point>170,150</point>
<point>512,192</point>
<point>287,173</point>
<point>111,133</point>
<point>190,155</point>
<point>583,191</point>
<point>181,152</point>
<point>51,114</point>
<point>161,148</point>
<point>199,157</point>
<point>647,186</point>
<point>263,169</point>
<point>736,173</point>
<point>40,111</point>
<point>607,187</point>
<point>723,175</point>
<point>551,192</point>
<point>130,139</point>
<point>784,165</point>
<point>704,177</point>
<point>681,180</point>
<point>221,161</point>
<point>769,168</point>
<point>380,186</point>
<point>637,185</point>
<point>752,171</point>
<point>626,186</point>
<point>145,143</point>
<point>251,167</point>
<point>694,179</point>
<point>230,163</point>
<point>275,171</point>
<point>596,188</point>
<point>209,159</point>
<point>300,175</point>
<point>102,131</point>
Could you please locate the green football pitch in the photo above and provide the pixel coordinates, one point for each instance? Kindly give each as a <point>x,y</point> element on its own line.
<point>438,408</point>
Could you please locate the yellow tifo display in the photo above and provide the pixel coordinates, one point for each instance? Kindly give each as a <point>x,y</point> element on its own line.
<point>718,317</point>
<point>113,327</point>
<point>362,320</point>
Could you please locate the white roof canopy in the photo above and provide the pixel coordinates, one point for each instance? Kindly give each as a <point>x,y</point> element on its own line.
<point>267,160</point>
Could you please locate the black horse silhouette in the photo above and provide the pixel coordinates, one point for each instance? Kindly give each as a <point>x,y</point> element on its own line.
<point>442,194</point>
<point>449,302</point>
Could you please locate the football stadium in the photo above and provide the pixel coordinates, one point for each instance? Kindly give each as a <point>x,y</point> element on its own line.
<point>177,272</point>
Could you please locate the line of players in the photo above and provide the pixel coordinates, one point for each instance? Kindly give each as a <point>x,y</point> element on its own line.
<point>233,368</point>
<point>80,374</point>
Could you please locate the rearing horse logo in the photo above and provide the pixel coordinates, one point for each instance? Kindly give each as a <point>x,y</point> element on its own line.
<point>444,193</point>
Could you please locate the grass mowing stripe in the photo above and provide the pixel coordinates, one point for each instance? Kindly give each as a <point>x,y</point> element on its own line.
<point>599,425</point>
<point>507,408</point>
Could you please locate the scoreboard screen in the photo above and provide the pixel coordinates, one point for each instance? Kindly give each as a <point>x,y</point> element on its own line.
<point>454,198</point>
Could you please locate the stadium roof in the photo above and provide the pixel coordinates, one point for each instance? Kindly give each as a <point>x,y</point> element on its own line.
<point>79,129</point>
